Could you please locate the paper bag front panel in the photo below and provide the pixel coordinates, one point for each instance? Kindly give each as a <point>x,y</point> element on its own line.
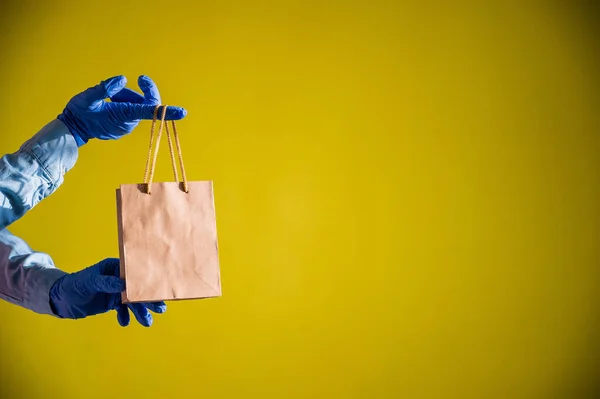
<point>168,242</point>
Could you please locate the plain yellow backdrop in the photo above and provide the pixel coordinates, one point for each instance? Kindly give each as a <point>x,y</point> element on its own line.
<point>407,198</point>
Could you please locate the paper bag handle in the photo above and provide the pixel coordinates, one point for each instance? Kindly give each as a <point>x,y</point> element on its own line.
<point>150,166</point>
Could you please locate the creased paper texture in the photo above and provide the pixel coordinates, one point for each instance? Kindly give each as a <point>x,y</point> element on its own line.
<point>168,242</point>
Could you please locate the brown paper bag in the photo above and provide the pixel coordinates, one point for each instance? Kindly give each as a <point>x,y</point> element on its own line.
<point>167,233</point>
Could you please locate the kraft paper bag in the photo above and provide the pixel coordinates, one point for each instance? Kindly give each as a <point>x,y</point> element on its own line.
<point>167,234</point>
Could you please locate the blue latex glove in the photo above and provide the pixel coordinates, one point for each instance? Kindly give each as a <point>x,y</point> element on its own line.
<point>88,115</point>
<point>97,289</point>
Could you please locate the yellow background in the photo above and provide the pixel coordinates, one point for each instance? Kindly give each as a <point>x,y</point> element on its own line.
<point>407,198</point>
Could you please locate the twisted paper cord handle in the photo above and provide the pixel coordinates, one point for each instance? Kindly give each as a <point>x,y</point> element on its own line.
<point>150,166</point>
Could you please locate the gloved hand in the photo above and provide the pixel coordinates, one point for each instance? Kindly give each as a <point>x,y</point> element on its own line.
<point>97,289</point>
<point>88,115</point>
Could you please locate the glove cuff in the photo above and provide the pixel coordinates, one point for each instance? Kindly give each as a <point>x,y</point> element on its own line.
<point>64,118</point>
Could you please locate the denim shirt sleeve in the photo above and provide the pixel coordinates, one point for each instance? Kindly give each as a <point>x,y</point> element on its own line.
<point>27,176</point>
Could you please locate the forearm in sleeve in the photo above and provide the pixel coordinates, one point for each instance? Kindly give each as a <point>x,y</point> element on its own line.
<point>35,171</point>
<point>26,276</point>
<point>28,176</point>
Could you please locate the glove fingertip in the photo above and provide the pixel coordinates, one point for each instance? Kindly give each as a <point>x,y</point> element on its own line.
<point>123,315</point>
<point>144,80</point>
<point>119,80</point>
<point>176,113</point>
<point>115,85</point>
<point>113,79</point>
<point>141,314</point>
<point>123,323</point>
<point>147,321</point>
